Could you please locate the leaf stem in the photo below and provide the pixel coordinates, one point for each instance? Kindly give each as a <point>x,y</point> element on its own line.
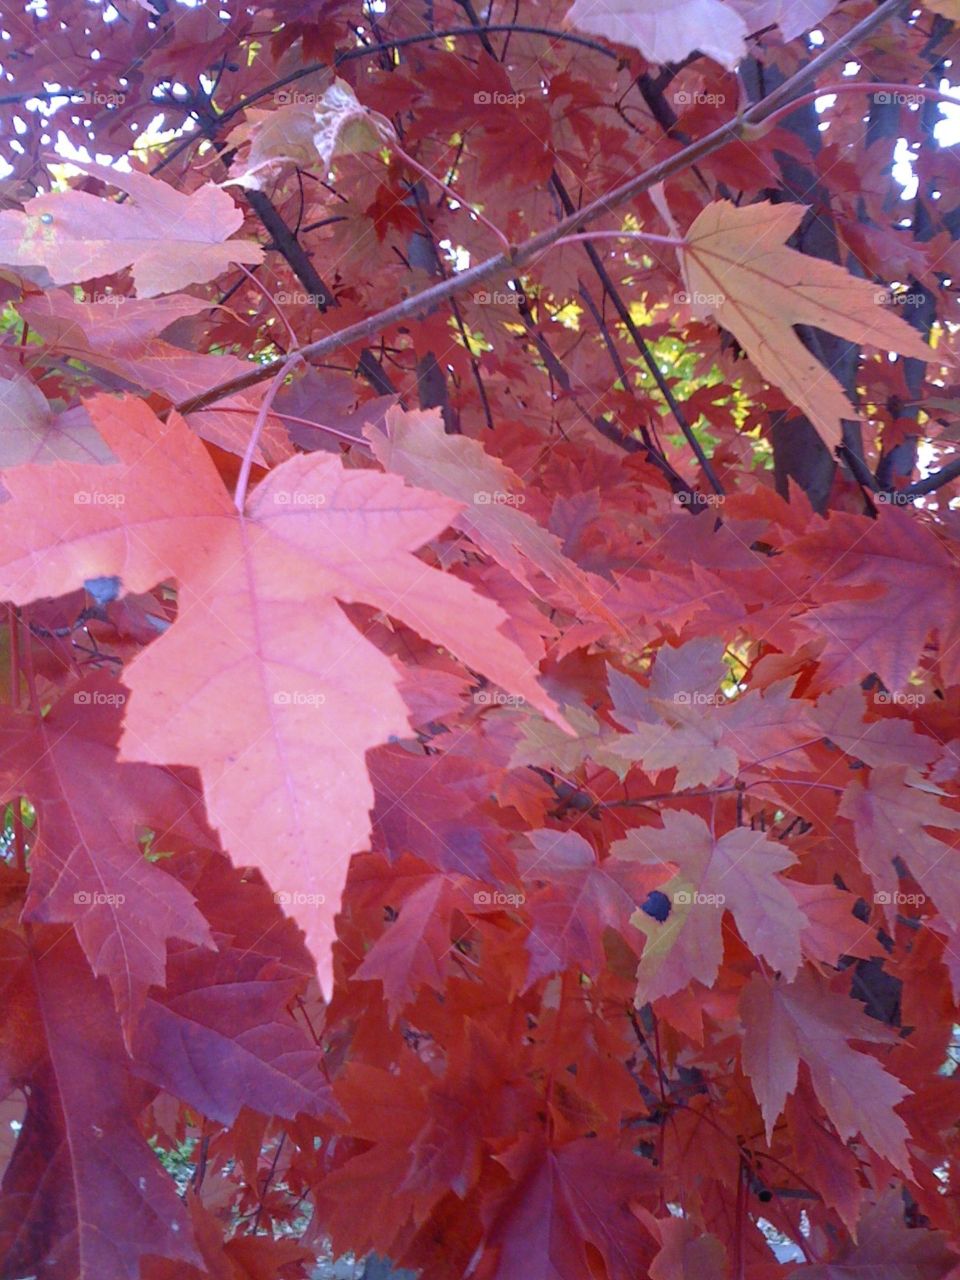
<point>246,466</point>
<point>889,90</point>
<point>449,191</point>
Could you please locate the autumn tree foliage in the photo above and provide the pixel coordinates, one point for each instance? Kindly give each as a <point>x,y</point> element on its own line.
<point>481,651</point>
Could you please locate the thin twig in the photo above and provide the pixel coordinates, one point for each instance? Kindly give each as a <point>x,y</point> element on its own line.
<point>507,263</point>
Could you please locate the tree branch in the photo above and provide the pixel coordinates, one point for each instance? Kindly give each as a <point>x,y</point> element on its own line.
<point>508,262</point>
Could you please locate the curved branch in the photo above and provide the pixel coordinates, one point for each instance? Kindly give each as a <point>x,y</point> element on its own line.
<point>508,262</point>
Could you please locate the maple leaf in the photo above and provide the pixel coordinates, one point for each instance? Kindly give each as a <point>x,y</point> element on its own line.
<point>886,1247</point>
<point>564,1198</point>
<point>703,735</point>
<point>277,726</point>
<point>309,133</point>
<point>738,268</point>
<point>169,239</point>
<point>792,18</point>
<point>889,820</point>
<point>686,1253</point>
<point>666,35</point>
<point>905,578</point>
<point>33,432</point>
<point>805,1020</point>
<point>892,740</point>
<point>86,867</point>
<point>580,897</point>
<point>121,335</point>
<point>416,446</point>
<point>736,873</point>
<point>83,1195</point>
<point>412,951</point>
<point>220,1038</point>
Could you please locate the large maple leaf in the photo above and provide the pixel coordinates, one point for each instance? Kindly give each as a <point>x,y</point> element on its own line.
<point>804,1020</point>
<point>738,267</point>
<point>171,239</point>
<point>262,682</point>
<point>736,873</point>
